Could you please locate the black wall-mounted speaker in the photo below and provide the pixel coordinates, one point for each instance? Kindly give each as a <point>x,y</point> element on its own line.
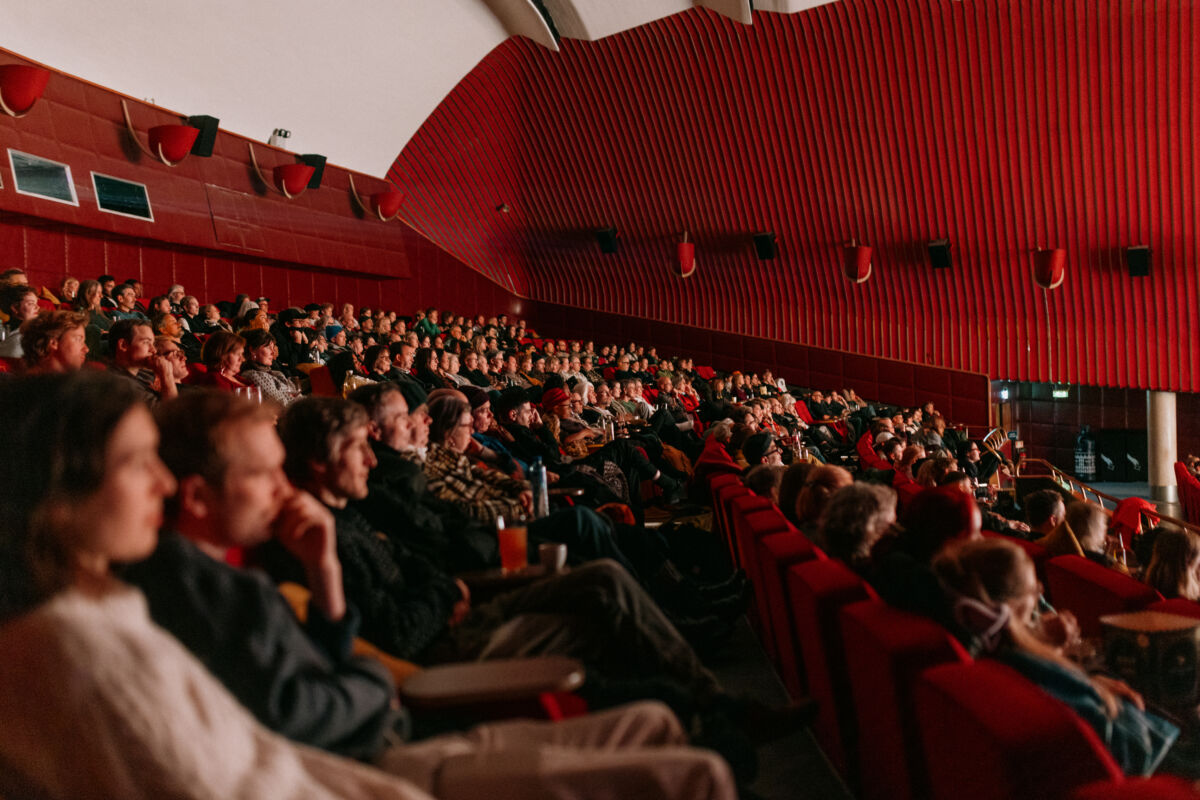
<point>607,239</point>
<point>1137,261</point>
<point>317,162</point>
<point>203,146</point>
<point>939,254</point>
<point>764,246</point>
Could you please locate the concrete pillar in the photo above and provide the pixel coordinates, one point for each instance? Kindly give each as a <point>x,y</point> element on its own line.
<point>1162,433</point>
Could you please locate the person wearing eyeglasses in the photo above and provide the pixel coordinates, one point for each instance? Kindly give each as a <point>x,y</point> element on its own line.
<point>168,348</point>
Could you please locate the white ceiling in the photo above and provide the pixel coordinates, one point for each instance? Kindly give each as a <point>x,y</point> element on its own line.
<point>353,81</point>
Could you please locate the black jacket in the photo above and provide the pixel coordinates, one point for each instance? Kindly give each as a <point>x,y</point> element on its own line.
<point>298,680</point>
<point>399,505</point>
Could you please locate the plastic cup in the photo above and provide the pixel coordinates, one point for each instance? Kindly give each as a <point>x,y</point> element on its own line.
<point>514,553</point>
<point>553,556</point>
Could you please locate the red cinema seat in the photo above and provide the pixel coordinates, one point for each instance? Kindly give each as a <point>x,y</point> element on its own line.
<point>1161,787</point>
<point>776,553</point>
<point>750,513</point>
<point>818,590</point>
<point>322,382</point>
<point>1091,591</point>
<point>722,479</point>
<point>754,527</point>
<point>990,734</point>
<point>1177,605</point>
<point>721,515</point>
<point>886,651</point>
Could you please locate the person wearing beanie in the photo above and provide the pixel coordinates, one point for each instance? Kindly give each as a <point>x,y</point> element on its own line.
<point>762,448</point>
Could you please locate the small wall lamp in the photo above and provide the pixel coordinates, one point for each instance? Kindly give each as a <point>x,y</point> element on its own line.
<point>170,144</point>
<point>20,87</point>
<point>290,180</point>
<point>385,204</point>
<point>857,263</point>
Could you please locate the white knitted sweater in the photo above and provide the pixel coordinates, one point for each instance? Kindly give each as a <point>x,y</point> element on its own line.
<point>97,701</point>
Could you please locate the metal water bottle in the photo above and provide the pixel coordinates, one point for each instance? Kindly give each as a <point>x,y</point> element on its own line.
<point>541,491</point>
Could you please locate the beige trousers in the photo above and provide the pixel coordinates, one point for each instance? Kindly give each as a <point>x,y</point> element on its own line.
<point>634,752</point>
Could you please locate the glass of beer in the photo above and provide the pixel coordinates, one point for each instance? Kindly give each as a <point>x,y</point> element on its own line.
<point>514,552</point>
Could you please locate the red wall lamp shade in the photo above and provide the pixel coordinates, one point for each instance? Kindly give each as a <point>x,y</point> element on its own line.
<point>290,180</point>
<point>170,144</point>
<point>385,204</point>
<point>687,257</point>
<point>20,87</point>
<point>1049,268</point>
<point>857,263</point>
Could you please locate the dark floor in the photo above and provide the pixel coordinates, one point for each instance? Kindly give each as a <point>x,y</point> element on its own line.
<point>790,768</point>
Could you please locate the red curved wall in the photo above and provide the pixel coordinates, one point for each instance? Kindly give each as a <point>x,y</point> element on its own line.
<point>1001,124</point>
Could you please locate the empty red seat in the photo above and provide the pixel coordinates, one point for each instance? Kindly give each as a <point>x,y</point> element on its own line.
<point>990,734</point>
<point>776,553</point>
<point>886,650</point>
<point>1090,591</point>
<point>817,591</point>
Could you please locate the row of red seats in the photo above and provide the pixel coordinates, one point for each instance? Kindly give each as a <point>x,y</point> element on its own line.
<point>904,712</point>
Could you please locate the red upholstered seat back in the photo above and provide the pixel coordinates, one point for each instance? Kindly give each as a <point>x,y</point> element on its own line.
<point>1177,605</point>
<point>818,590</point>
<point>1090,591</point>
<point>322,382</point>
<point>752,522</point>
<point>776,553</point>
<point>1160,787</point>
<point>886,650</point>
<point>990,734</point>
<point>721,514</point>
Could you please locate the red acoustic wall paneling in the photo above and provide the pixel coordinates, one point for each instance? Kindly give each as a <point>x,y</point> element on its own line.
<point>1002,125</point>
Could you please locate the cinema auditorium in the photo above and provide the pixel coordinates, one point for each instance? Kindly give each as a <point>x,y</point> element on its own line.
<point>600,399</point>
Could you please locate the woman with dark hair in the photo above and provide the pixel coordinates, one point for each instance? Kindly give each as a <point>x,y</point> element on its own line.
<point>261,351</point>
<point>101,702</point>
<point>822,481</point>
<point>378,361</point>
<point>222,356</point>
<point>1175,566</point>
<point>992,592</point>
<point>426,364</point>
<point>88,299</point>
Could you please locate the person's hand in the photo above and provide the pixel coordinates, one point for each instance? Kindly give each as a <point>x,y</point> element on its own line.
<point>551,477</point>
<point>463,607</point>
<point>1060,629</point>
<point>1112,691</point>
<point>1016,525</point>
<point>306,529</point>
<point>526,500</point>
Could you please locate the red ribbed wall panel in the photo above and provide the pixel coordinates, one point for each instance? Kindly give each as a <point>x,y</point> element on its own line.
<point>1001,124</point>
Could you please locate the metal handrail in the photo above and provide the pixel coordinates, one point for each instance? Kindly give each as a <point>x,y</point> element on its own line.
<point>1081,490</point>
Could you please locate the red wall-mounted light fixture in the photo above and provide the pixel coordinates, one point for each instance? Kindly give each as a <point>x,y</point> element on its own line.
<point>385,204</point>
<point>857,263</point>
<point>687,257</point>
<point>290,180</point>
<point>1049,267</point>
<point>20,87</point>
<point>170,144</point>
